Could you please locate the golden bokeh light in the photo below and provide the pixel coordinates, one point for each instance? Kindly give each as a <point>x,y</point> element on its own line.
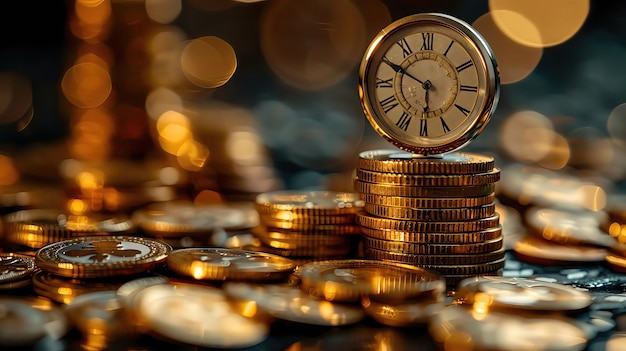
<point>527,136</point>
<point>515,61</point>
<point>91,131</point>
<point>539,23</point>
<point>244,147</point>
<point>557,154</point>
<point>92,20</point>
<point>314,44</point>
<point>162,100</point>
<point>208,62</point>
<point>96,53</point>
<point>192,155</point>
<point>163,11</point>
<point>173,130</point>
<point>86,85</point>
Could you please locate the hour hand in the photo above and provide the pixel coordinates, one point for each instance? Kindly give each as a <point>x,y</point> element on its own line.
<point>398,69</point>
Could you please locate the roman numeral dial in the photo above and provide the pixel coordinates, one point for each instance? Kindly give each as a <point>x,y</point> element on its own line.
<point>428,83</point>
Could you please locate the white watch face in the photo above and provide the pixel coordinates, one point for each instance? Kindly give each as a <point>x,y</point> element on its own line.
<point>428,83</point>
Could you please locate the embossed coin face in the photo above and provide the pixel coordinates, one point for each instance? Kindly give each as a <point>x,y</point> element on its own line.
<point>292,304</point>
<point>197,315</point>
<point>213,263</point>
<point>350,279</point>
<point>15,267</point>
<point>523,293</point>
<point>102,256</point>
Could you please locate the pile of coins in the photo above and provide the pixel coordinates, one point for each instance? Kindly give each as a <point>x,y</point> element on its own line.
<point>435,212</point>
<point>308,225</point>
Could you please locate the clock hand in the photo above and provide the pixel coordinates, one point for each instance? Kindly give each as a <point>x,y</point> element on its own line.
<point>399,69</point>
<point>426,85</point>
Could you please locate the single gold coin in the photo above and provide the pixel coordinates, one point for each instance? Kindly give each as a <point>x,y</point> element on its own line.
<point>429,180</point>
<point>432,214</point>
<point>102,256</point>
<point>489,330</point>
<point>434,238</point>
<point>396,161</point>
<point>197,315</point>
<point>568,226</point>
<point>534,249</point>
<point>213,263</point>
<point>348,280</point>
<point>522,293</point>
<point>411,225</point>
<point>435,260</point>
<point>423,191</point>
<point>428,202</point>
<point>185,218</point>
<point>431,248</point>
<point>289,303</point>
<point>616,262</point>
<point>302,203</point>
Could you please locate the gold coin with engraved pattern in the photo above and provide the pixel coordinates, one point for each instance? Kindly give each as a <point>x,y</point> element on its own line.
<point>429,83</point>
<point>102,256</point>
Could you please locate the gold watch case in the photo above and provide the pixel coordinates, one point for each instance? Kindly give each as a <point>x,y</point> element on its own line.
<point>429,83</point>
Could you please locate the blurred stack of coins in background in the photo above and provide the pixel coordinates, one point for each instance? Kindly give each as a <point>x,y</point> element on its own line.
<point>435,212</point>
<point>308,225</point>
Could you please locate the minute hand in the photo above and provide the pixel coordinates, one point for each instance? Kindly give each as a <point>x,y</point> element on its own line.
<point>401,70</point>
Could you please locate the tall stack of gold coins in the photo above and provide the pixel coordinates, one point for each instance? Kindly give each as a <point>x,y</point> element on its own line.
<point>435,212</point>
<point>308,225</point>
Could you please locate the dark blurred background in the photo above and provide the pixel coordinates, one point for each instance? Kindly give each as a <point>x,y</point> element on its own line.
<point>250,96</point>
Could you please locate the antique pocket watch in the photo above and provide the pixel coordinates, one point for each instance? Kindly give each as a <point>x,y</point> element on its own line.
<point>428,83</point>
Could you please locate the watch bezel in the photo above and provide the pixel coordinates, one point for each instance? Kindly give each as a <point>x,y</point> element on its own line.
<point>489,83</point>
